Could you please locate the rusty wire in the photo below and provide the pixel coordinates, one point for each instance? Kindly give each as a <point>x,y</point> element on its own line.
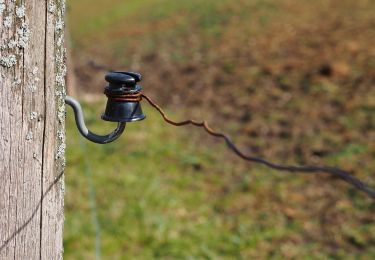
<point>132,97</point>
<point>344,175</point>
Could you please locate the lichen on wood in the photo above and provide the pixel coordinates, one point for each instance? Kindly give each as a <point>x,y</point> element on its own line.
<point>13,14</point>
<point>32,133</point>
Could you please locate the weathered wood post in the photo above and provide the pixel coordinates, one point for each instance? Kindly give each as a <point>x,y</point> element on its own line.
<point>32,135</point>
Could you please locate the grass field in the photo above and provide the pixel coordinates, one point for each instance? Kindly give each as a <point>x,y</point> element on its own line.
<point>290,80</point>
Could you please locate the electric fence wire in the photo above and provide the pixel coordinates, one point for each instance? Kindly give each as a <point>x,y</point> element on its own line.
<point>344,175</point>
<point>92,201</point>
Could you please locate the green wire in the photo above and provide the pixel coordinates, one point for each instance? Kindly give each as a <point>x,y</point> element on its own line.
<point>92,201</point>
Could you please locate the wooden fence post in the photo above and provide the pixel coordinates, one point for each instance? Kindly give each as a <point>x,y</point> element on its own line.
<point>32,134</point>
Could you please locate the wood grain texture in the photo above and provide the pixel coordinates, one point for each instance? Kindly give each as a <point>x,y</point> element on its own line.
<point>32,135</point>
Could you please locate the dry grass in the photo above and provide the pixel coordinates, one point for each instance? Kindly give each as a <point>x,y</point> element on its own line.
<point>292,81</point>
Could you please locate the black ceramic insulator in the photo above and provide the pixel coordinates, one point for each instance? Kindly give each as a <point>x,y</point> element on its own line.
<point>118,109</point>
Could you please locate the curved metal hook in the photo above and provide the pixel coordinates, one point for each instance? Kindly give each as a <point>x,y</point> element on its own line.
<point>80,122</point>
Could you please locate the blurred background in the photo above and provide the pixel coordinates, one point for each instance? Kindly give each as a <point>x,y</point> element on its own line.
<point>293,81</point>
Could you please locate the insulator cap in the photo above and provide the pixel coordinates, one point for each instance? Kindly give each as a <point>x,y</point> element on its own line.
<point>119,109</point>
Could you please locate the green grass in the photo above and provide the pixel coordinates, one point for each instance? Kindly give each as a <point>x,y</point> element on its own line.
<point>151,196</point>
<point>175,193</point>
<point>99,16</point>
<point>161,193</point>
<point>107,28</point>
